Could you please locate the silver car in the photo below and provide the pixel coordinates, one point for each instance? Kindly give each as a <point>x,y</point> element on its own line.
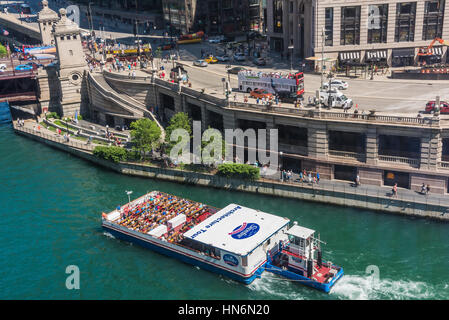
<point>200,63</point>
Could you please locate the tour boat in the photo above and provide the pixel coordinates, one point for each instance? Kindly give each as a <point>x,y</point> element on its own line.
<point>238,242</point>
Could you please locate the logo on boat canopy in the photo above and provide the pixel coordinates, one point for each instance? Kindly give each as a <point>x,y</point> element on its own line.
<point>231,260</point>
<point>245,230</point>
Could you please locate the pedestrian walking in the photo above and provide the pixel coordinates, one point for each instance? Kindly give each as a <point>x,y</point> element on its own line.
<point>357,181</point>
<point>423,188</point>
<point>300,176</point>
<point>395,190</point>
<point>428,189</point>
<point>317,177</point>
<point>310,177</point>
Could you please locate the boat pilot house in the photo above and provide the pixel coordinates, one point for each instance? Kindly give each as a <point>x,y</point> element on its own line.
<point>240,236</point>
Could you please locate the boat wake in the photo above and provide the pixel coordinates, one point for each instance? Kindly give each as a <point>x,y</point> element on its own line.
<point>107,234</point>
<point>349,287</point>
<point>355,287</point>
<point>274,288</point>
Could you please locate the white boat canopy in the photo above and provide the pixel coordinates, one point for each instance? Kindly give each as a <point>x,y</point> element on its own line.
<point>237,229</point>
<point>300,232</point>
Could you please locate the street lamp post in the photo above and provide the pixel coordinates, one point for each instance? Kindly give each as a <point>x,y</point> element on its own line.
<point>129,193</point>
<point>291,57</point>
<point>322,56</point>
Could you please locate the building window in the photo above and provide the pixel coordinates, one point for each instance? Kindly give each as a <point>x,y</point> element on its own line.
<point>350,25</point>
<point>405,22</point>
<point>329,26</point>
<point>68,37</point>
<point>62,37</point>
<point>433,19</point>
<point>377,23</point>
<point>277,16</point>
<point>71,52</point>
<point>291,7</point>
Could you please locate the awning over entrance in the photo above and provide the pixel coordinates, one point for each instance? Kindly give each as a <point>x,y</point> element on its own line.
<point>376,54</point>
<point>353,55</point>
<point>404,53</point>
<point>437,51</point>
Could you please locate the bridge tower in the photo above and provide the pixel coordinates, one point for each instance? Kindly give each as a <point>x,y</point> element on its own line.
<point>46,19</point>
<point>72,65</point>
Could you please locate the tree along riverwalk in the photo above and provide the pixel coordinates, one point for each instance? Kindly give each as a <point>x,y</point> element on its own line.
<point>408,203</point>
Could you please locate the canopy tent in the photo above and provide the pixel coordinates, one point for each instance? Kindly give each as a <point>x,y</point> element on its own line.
<point>237,229</point>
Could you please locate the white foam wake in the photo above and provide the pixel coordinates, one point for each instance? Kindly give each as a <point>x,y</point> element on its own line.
<point>356,287</point>
<point>107,234</point>
<point>276,288</point>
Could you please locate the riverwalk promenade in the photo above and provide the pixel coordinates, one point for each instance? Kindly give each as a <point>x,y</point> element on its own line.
<point>407,202</point>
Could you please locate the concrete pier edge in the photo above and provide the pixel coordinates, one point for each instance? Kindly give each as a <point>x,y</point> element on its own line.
<point>269,188</point>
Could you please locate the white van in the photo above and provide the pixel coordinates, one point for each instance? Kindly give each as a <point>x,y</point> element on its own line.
<point>338,99</point>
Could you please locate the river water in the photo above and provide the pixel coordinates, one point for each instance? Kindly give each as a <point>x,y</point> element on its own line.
<point>51,204</point>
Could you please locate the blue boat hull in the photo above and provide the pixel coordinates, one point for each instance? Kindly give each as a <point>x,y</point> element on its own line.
<point>325,287</point>
<point>185,258</point>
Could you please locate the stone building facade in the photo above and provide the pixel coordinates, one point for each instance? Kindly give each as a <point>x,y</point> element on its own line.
<point>358,31</point>
<point>46,18</point>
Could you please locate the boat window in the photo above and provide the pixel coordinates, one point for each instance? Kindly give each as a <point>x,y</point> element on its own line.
<point>245,261</point>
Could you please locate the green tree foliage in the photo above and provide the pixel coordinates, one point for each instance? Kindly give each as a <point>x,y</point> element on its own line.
<point>51,115</point>
<point>238,170</point>
<point>3,51</point>
<point>178,121</point>
<point>145,134</point>
<point>115,154</point>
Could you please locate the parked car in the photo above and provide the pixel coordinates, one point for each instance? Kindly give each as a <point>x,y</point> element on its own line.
<point>34,65</point>
<point>260,93</point>
<point>287,96</point>
<point>222,58</point>
<point>23,67</point>
<point>259,61</point>
<point>239,57</point>
<point>211,59</point>
<point>236,70</point>
<point>430,107</point>
<point>200,63</point>
<point>216,39</point>
<point>339,84</point>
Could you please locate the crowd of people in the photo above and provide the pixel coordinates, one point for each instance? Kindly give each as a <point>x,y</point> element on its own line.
<point>158,209</point>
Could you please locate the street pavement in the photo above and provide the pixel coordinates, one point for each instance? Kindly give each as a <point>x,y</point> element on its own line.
<point>395,97</point>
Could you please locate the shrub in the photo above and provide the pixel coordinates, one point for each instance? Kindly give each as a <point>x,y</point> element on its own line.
<point>115,154</point>
<point>80,117</point>
<point>238,170</point>
<point>52,115</point>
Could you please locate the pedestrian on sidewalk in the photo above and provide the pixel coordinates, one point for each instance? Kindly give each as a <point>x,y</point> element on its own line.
<point>428,189</point>
<point>317,177</point>
<point>395,190</point>
<point>310,176</point>
<point>423,188</point>
<point>357,181</point>
<point>300,176</point>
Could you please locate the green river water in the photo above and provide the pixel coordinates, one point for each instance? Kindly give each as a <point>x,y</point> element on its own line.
<point>51,204</point>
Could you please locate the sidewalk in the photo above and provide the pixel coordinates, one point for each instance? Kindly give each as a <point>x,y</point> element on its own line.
<point>368,190</point>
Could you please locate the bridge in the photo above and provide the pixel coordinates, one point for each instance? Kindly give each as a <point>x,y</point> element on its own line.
<point>11,23</point>
<point>18,86</point>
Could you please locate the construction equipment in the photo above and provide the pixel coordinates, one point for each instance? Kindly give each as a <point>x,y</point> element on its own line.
<point>427,51</point>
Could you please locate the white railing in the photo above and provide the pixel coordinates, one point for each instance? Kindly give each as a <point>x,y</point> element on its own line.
<point>56,138</point>
<point>443,164</point>
<point>347,155</point>
<point>410,161</point>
